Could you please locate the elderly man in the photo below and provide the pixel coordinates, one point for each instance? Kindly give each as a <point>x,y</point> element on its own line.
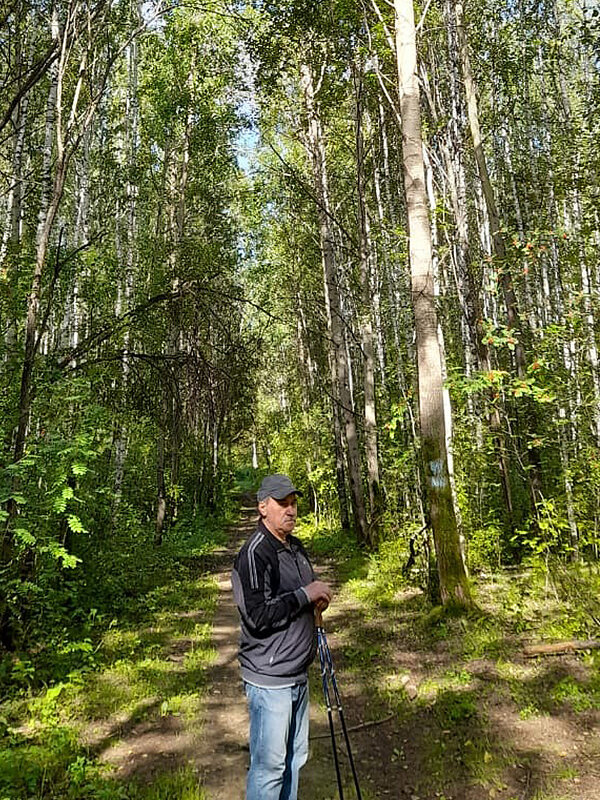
<point>276,593</point>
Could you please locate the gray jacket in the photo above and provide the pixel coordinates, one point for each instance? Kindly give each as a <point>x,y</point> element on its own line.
<point>277,641</point>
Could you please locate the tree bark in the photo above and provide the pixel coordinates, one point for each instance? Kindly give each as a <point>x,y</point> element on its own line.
<point>340,382</point>
<point>454,586</point>
<point>366,323</point>
<point>161,500</point>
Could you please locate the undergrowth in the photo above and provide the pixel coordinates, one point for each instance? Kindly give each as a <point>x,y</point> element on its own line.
<point>446,700</point>
<point>111,669</point>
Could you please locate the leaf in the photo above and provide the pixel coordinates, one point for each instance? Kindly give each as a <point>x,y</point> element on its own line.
<point>75,524</point>
<point>18,498</point>
<point>58,552</point>
<point>24,537</point>
<point>60,502</point>
<point>79,469</point>
<point>54,691</point>
<point>59,505</point>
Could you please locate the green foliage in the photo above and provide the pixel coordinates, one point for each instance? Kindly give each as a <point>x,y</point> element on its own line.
<point>122,670</point>
<point>485,548</point>
<point>122,577</point>
<point>386,565</point>
<point>577,695</point>
<point>454,708</point>
<point>548,535</point>
<point>53,766</point>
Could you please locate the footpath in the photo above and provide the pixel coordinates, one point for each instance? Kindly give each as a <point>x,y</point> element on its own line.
<point>427,721</point>
<point>222,755</point>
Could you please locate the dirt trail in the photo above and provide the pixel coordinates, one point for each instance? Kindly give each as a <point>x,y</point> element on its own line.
<point>222,754</point>
<point>401,754</point>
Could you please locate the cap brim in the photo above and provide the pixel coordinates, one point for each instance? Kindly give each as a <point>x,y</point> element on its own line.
<point>260,498</point>
<point>283,496</point>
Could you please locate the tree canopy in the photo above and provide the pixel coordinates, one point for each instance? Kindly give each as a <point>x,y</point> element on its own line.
<point>211,235</point>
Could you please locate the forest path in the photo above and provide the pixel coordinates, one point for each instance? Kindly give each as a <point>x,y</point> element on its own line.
<point>426,723</point>
<point>220,754</point>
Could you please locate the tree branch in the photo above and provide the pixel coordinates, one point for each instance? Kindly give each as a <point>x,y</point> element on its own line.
<point>37,72</point>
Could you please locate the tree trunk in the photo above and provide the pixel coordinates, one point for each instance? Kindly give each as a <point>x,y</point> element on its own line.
<point>340,387</point>
<point>366,323</point>
<point>442,347</point>
<point>161,501</point>
<point>131,239</point>
<point>454,586</point>
<point>12,232</point>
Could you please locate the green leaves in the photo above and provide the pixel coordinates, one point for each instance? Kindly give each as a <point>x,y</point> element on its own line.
<point>496,383</point>
<point>60,502</point>
<point>58,552</point>
<point>75,524</point>
<point>499,336</point>
<point>24,538</point>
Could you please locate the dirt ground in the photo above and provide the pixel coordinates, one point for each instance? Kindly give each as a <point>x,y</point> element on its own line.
<point>543,757</point>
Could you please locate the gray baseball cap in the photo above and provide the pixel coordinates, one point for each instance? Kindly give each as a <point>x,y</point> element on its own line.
<point>277,486</point>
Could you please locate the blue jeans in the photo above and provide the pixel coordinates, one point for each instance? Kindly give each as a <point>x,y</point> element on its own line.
<point>278,741</point>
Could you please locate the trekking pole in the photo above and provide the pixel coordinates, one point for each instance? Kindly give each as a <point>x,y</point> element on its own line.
<point>323,662</point>
<point>327,667</point>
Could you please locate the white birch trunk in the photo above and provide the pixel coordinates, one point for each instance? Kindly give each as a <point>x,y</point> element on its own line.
<point>341,387</point>
<point>454,588</point>
<point>366,322</point>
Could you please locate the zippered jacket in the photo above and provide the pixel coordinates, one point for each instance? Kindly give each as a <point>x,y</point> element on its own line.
<point>277,639</point>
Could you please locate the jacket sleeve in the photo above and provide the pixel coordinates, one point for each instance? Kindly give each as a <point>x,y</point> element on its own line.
<point>262,610</point>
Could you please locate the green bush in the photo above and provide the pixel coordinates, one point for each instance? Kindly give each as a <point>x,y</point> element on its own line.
<point>484,548</point>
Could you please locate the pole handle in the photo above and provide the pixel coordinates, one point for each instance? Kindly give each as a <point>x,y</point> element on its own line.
<point>318,617</point>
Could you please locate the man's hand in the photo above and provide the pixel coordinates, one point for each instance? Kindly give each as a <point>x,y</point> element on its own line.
<point>319,593</point>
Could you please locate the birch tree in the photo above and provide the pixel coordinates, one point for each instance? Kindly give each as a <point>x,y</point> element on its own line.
<point>454,587</point>
<point>340,378</point>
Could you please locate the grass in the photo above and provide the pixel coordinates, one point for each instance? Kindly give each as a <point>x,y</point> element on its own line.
<point>70,775</point>
<point>148,662</point>
<point>477,668</point>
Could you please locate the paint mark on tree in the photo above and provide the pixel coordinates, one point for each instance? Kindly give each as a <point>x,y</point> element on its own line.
<point>437,477</point>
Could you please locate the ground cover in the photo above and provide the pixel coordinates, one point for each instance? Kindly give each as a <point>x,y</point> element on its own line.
<point>142,671</point>
<point>472,717</point>
<point>439,707</point>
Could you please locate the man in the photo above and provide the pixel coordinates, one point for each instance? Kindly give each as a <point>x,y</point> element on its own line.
<point>276,593</point>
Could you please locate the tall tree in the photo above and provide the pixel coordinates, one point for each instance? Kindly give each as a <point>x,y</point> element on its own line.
<point>340,380</point>
<point>454,587</point>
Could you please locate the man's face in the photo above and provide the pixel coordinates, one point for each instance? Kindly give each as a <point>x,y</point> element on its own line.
<point>279,515</point>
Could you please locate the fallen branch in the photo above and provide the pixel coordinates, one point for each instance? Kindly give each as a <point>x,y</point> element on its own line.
<point>560,647</point>
<point>359,727</point>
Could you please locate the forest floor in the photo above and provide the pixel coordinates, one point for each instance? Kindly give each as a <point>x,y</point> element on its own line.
<point>438,708</point>
<point>428,720</point>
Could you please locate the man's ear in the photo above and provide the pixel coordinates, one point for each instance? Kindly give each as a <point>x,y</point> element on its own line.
<point>262,508</point>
